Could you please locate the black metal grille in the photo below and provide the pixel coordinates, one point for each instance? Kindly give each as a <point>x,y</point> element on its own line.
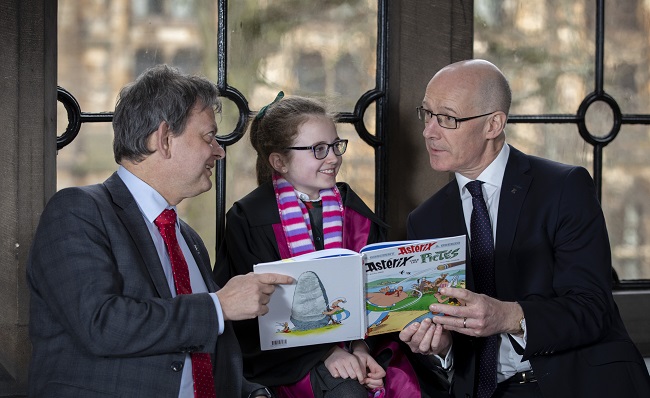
<point>76,117</point>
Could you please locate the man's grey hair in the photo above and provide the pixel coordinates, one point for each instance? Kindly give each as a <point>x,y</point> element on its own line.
<point>160,94</point>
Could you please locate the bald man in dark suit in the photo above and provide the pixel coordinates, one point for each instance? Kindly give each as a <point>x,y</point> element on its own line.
<point>551,313</point>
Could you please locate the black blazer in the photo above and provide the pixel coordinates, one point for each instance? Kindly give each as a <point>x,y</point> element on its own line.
<point>552,255</point>
<point>250,239</point>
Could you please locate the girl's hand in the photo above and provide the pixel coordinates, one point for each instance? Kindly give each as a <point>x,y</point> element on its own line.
<point>341,363</point>
<point>374,372</point>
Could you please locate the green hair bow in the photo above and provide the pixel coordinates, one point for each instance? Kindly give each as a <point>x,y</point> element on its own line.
<point>262,111</point>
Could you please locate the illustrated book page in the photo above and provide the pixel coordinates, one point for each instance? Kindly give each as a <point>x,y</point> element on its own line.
<point>403,278</point>
<point>340,295</point>
<point>324,305</point>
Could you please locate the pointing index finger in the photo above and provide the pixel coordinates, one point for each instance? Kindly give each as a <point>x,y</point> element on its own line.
<point>276,279</point>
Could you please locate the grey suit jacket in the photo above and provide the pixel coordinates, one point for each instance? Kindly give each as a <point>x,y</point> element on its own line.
<point>103,322</point>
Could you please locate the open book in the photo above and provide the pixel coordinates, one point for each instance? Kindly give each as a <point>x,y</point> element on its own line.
<point>342,295</point>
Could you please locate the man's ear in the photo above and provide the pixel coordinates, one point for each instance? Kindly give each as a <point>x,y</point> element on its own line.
<point>278,163</point>
<point>496,123</point>
<point>160,140</point>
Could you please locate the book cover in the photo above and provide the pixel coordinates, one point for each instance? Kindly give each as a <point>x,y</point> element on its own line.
<point>403,278</point>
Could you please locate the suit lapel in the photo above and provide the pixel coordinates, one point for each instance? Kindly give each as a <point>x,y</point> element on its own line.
<point>453,220</point>
<point>513,192</point>
<point>131,216</point>
<point>199,258</point>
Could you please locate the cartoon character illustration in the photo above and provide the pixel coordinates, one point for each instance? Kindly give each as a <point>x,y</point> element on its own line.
<point>424,286</point>
<point>387,296</point>
<point>440,283</point>
<point>309,302</point>
<point>335,312</point>
<point>284,327</point>
<point>376,318</point>
<point>443,282</point>
<point>390,291</point>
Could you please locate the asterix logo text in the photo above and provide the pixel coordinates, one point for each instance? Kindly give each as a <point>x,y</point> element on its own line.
<point>387,264</point>
<point>415,248</point>
<point>440,255</point>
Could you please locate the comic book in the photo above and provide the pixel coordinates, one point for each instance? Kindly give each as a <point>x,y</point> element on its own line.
<point>402,279</point>
<point>341,295</point>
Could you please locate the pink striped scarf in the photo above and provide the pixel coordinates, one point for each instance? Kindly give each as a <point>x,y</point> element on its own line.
<point>295,218</point>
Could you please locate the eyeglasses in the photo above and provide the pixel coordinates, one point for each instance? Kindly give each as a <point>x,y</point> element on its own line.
<point>322,150</point>
<point>445,121</point>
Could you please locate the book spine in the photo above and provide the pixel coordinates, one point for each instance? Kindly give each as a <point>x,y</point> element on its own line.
<point>364,283</point>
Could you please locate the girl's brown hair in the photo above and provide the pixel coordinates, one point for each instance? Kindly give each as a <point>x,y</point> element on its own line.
<point>276,126</point>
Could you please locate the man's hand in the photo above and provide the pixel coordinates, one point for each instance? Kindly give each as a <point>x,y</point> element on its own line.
<point>427,338</point>
<point>480,315</point>
<point>246,296</point>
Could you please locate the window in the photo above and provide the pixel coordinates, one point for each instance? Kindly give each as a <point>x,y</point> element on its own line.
<point>303,48</point>
<point>549,51</point>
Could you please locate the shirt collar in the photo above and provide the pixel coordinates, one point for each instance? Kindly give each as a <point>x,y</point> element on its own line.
<point>150,202</point>
<point>492,176</point>
<point>304,197</point>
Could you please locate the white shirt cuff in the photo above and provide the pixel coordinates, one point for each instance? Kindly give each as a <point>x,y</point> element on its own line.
<point>217,306</point>
<point>448,361</point>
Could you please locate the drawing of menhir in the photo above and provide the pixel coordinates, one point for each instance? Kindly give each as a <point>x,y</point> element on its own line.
<point>310,309</point>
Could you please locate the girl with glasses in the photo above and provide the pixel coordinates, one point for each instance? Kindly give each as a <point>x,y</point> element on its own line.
<point>299,207</point>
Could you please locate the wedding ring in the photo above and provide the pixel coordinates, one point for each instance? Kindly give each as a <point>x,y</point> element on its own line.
<point>465,322</point>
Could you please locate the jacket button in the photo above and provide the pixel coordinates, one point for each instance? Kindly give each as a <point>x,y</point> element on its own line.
<point>177,366</point>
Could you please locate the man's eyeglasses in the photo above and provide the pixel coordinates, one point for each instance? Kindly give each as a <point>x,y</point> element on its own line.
<point>445,121</point>
<point>322,150</point>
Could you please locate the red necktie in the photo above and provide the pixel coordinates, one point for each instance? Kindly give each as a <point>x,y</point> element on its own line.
<point>201,363</point>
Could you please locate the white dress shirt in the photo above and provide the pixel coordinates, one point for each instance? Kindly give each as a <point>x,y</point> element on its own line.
<point>509,362</point>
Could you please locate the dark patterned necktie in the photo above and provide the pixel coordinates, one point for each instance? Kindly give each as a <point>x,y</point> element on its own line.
<point>482,255</point>
<point>201,362</point>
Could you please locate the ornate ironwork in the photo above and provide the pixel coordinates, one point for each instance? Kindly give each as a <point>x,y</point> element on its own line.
<point>76,117</point>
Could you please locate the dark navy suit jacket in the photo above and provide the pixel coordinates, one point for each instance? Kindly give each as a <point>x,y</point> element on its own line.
<point>552,255</point>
